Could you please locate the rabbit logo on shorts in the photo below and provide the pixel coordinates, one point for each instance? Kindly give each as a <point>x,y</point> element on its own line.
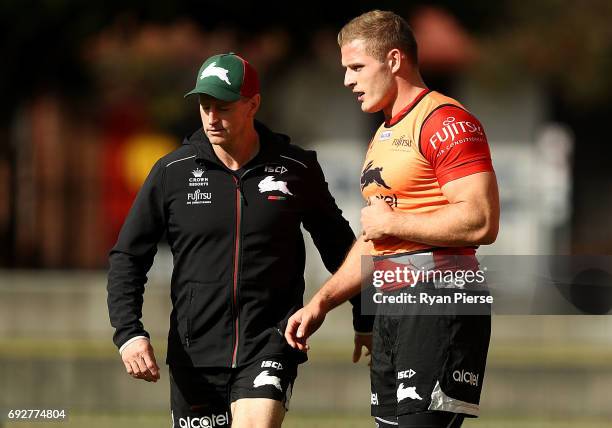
<point>264,378</point>
<point>410,392</point>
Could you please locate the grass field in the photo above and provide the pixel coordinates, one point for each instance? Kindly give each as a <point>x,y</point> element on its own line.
<point>507,355</point>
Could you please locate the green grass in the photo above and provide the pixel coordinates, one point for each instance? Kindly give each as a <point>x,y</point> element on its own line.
<point>500,355</point>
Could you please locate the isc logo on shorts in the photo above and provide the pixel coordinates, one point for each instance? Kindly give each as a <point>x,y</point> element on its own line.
<point>273,364</point>
<point>205,421</point>
<point>407,374</point>
<point>374,399</point>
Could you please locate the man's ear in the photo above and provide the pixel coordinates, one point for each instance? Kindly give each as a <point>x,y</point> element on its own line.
<point>254,103</point>
<point>394,60</point>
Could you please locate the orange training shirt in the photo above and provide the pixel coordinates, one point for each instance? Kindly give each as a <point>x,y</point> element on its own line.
<point>432,141</point>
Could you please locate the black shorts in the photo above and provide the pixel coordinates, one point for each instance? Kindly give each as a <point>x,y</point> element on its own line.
<point>423,363</point>
<point>202,396</point>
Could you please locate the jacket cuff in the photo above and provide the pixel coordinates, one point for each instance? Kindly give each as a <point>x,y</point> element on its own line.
<point>129,342</point>
<point>361,323</point>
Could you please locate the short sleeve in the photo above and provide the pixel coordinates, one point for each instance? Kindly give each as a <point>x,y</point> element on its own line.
<point>455,144</point>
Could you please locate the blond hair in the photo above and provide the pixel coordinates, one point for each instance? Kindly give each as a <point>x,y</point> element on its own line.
<point>381,31</point>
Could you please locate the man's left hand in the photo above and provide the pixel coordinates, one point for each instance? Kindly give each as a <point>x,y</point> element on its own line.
<point>375,219</point>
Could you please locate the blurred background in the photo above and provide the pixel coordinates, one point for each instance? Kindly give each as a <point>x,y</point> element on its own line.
<point>92,96</point>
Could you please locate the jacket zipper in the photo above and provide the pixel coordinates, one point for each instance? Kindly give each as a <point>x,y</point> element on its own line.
<point>237,243</point>
<point>236,266</point>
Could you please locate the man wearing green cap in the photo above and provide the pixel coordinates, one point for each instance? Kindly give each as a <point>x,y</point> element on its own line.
<point>231,201</point>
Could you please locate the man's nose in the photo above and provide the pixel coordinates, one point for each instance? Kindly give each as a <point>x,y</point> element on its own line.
<point>213,116</point>
<point>349,80</point>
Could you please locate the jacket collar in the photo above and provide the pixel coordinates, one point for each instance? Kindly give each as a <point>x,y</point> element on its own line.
<point>271,145</point>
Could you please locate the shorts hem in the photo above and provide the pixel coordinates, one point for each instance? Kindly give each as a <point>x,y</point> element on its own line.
<point>441,401</point>
<point>464,411</point>
<point>284,400</point>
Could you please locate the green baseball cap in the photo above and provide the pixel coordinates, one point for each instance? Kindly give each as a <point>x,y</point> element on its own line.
<point>226,77</point>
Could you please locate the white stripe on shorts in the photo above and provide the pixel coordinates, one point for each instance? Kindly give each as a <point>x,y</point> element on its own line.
<point>386,421</point>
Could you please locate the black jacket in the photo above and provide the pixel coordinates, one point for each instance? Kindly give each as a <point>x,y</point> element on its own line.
<point>237,247</point>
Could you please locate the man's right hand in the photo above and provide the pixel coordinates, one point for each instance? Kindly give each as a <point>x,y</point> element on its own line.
<point>363,340</point>
<point>303,324</point>
<point>139,360</point>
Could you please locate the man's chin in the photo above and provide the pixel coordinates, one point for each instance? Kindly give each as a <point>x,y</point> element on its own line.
<point>216,140</point>
<point>369,108</point>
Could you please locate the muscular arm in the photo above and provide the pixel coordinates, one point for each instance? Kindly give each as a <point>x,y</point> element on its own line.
<point>343,285</point>
<point>470,218</point>
<point>346,282</point>
<point>332,235</point>
<point>463,168</point>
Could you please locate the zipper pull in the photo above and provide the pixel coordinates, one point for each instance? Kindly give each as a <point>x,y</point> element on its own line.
<point>187,340</point>
<point>238,183</point>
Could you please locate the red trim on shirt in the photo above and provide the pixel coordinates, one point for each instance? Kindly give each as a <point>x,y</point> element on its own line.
<point>406,109</point>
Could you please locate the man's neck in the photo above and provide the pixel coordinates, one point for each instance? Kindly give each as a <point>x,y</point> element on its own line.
<point>407,91</point>
<point>238,153</point>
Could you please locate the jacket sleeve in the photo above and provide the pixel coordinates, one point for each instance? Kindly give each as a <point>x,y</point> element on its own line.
<point>362,323</point>
<point>332,234</point>
<point>132,257</point>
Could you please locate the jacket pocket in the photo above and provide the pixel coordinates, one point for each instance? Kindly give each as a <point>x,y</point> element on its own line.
<point>206,314</point>
<point>188,316</point>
